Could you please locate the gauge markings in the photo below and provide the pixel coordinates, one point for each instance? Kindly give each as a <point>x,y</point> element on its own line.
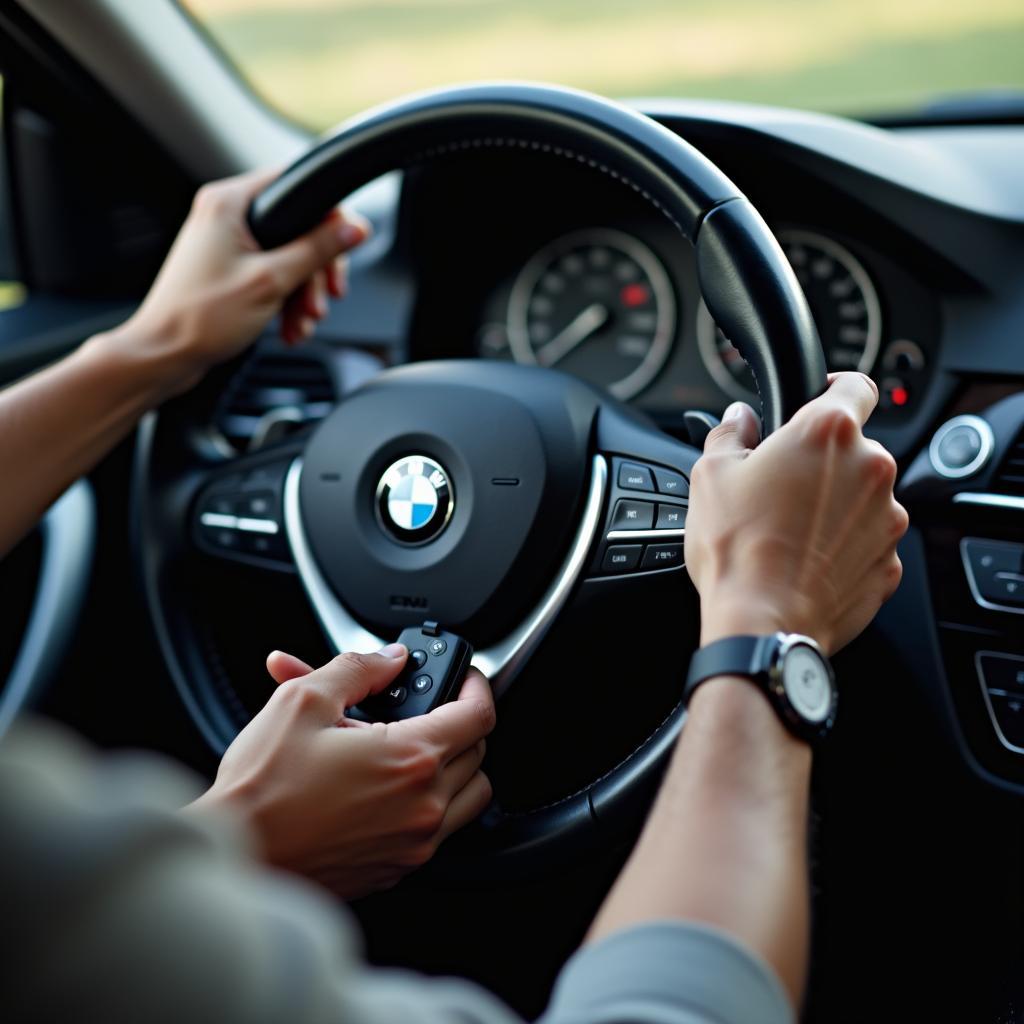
<point>597,303</point>
<point>843,302</point>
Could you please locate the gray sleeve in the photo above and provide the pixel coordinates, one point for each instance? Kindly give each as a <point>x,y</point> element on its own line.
<point>118,908</point>
<point>667,972</point>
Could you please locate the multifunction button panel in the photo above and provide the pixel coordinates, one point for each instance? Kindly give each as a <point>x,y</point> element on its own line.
<point>239,516</point>
<point>995,573</point>
<point>646,520</point>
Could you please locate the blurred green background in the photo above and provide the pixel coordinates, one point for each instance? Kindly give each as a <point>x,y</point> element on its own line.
<point>322,60</point>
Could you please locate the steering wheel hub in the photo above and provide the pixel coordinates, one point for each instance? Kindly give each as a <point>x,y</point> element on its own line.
<point>448,491</point>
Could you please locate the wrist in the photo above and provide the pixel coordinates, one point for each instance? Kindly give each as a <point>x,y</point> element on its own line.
<point>724,615</point>
<point>151,361</point>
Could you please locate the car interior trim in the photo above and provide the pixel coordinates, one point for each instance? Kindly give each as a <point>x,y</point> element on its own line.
<point>69,542</point>
<point>991,500</point>
<point>646,534</point>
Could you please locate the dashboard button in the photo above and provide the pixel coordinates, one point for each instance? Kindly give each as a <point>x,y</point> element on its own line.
<point>633,515</point>
<point>621,558</point>
<point>961,446</point>
<point>635,478</point>
<point>1002,672</point>
<point>671,483</point>
<point>259,505</point>
<point>1005,588</point>
<point>995,572</point>
<point>671,517</point>
<point>662,556</point>
<point>1009,716</point>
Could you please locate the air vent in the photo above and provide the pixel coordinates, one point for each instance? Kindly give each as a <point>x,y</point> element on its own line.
<point>1009,478</point>
<point>271,395</point>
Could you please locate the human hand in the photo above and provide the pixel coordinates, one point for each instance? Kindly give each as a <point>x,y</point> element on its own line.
<point>797,533</point>
<point>218,289</point>
<point>353,805</point>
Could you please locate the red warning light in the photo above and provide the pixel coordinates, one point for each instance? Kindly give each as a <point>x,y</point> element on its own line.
<point>635,295</point>
<point>899,396</point>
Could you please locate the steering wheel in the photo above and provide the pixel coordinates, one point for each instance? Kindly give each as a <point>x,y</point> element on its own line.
<point>525,481</point>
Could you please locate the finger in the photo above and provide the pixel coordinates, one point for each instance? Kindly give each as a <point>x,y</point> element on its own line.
<point>348,679</point>
<point>283,667</point>
<point>296,324</point>
<point>467,805</point>
<point>461,769</point>
<point>314,295</point>
<point>855,392</point>
<point>739,431</point>
<point>457,726</point>
<point>298,260</point>
<point>336,277</point>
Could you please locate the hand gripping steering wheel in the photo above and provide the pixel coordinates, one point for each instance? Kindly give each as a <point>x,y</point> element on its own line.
<point>515,483</point>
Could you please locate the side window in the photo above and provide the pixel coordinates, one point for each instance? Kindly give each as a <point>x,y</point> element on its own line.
<point>12,292</point>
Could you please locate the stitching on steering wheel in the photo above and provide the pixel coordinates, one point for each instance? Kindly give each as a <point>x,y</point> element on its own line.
<point>500,142</point>
<point>590,785</point>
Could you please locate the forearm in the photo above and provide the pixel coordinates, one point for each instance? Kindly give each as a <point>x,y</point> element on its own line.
<point>57,424</point>
<point>725,844</point>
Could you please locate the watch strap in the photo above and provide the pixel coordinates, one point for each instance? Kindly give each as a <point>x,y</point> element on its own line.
<point>730,656</point>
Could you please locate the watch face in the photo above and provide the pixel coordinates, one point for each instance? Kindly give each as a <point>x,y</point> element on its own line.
<point>805,678</point>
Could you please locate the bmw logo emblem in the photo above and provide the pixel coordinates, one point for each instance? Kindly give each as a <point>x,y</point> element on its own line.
<point>414,499</point>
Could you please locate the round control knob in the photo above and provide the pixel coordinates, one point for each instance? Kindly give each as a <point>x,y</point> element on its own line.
<point>961,446</point>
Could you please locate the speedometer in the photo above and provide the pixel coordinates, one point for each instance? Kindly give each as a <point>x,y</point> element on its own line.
<point>843,302</point>
<point>598,304</point>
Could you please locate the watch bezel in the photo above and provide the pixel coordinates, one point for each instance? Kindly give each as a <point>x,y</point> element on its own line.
<point>805,727</point>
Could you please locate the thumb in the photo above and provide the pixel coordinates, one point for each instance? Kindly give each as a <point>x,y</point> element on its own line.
<point>283,667</point>
<point>350,678</point>
<point>739,431</point>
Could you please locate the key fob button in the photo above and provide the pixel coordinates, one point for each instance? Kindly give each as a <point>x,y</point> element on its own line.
<point>396,695</point>
<point>438,647</point>
<point>418,658</point>
<point>421,684</point>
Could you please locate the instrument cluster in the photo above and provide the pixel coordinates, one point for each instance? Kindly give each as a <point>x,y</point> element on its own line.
<point>604,304</point>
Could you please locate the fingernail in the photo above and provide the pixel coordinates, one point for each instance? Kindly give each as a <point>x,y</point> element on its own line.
<point>306,326</point>
<point>393,651</point>
<point>350,234</point>
<point>734,412</point>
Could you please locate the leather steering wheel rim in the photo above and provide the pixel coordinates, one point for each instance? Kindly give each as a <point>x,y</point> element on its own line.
<point>747,284</point>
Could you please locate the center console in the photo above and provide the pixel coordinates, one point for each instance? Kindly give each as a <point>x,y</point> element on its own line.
<point>965,494</point>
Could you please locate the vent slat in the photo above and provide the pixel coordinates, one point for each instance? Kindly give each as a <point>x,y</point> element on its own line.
<point>1009,477</point>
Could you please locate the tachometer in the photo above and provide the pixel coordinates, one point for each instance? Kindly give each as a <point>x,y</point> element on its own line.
<point>598,304</point>
<point>843,302</point>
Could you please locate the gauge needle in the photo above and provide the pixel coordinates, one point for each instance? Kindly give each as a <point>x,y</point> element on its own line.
<point>581,327</point>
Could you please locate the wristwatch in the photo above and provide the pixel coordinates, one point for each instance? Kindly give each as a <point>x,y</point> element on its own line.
<point>788,668</point>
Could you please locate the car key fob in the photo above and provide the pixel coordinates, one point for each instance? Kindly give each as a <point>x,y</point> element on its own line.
<point>432,675</point>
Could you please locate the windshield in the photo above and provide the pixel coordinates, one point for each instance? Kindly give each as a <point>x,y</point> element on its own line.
<point>321,60</point>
